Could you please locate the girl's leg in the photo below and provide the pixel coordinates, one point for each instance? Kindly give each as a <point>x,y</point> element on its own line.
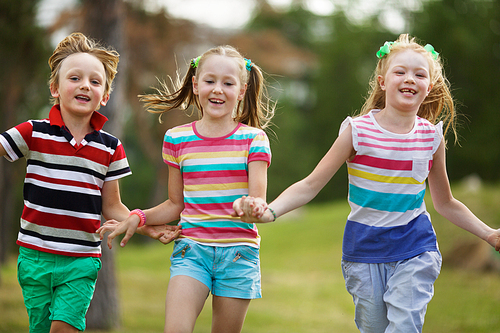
<point>366,284</point>
<point>228,314</point>
<point>184,302</point>
<point>409,289</point>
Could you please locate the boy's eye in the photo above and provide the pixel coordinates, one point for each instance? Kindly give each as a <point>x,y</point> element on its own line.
<point>209,81</point>
<point>229,83</point>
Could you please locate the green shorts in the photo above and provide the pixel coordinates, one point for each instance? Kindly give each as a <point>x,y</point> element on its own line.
<point>56,287</point>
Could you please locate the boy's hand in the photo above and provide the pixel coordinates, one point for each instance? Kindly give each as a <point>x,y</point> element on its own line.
<point>252,210</point>
<point>128,226</point>
<point>164,233</point>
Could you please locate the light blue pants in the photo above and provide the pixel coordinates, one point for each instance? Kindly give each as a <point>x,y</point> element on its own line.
<point>392,297</point>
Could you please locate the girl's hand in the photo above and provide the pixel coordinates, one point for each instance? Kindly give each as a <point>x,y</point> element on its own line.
<point>252,210</point>
<point>164,233</point>
<point>128,226</point>
<point>494,239</point>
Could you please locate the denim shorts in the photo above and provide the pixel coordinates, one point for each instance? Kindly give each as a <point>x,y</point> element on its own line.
<point>232,271</point>
<point>56,287</point>
<point>392,297</point>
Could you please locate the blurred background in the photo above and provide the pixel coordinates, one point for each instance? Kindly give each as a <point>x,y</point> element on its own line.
<point>318,56</point>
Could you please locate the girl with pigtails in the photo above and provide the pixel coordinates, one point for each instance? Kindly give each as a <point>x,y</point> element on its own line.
<point>212,162</point>
<point>390,255</point>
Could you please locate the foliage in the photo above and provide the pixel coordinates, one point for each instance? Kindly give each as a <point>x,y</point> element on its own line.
<point>303,288</point>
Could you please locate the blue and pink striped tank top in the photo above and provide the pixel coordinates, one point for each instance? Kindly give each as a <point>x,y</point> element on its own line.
<point>215,173</point>
<point>388,220</point>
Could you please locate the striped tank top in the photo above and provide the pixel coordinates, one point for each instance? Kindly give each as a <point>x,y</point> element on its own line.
<point>388,219</point>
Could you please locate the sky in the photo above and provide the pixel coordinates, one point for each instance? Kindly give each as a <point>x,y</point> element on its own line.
<point>233,14</point>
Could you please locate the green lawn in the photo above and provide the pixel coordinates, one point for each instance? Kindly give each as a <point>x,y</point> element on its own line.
<point>303,288</point>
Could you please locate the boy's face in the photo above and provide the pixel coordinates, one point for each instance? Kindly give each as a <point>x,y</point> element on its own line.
<point>82,82</point>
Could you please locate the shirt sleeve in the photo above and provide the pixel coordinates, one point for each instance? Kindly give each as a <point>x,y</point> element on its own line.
<point>260,149</point>
<point>16,141</point>
<point>169,151</point>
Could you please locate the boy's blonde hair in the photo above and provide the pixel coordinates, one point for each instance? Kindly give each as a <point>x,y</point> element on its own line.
<point>79,43</point>
<point>254,110</point>
<point>437,106</point>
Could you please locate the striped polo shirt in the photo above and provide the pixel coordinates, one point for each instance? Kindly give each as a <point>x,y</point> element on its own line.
<point>388,220</point>
<point>62,187</point>
<point>215,173</point>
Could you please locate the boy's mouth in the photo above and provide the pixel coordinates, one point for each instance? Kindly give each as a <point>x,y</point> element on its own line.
<point>83,98</point>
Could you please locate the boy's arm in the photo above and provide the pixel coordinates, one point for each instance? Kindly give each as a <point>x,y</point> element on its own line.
<point>165,212</point>
<point>114,210</point>
<point>452,209</point>
<point>112,206</point>
<point>2,150</point>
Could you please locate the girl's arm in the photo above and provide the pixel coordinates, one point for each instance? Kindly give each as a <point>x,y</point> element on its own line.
<point>452,209</point>
<point>306,189</point>
<point>165,212</point>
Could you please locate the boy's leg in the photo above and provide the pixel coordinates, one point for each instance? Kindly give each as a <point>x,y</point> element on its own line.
<point>74,284</point>
<point>228,314</point>
<point>34,275</point>
<point>62,327</point>
<point>184,302</point>
<point>409,290</point>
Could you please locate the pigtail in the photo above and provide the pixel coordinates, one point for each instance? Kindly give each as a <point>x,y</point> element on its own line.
<point>255,109</point>
<point>179,95</point>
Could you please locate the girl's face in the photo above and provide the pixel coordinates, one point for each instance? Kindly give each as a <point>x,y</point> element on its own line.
<point>407,81</point>
<point>82,81</point>
<point>218,86</point>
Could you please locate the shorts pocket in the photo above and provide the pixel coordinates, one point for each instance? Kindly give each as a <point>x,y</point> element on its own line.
<point>248,254</point>
<point>180,249</point>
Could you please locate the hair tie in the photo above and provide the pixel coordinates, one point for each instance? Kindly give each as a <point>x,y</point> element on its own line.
<point>195,62</point>
<point>384,50</point>
<point>430,48</point>
<point>248,64</point>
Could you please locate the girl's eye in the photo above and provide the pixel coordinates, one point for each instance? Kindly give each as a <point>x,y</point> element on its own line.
<point>209,81</point>
<point>73,78</point>
<point>96,82</point>
<point>229,83</point>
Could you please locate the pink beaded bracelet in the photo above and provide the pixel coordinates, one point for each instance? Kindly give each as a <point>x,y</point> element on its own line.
<point>142,216</point>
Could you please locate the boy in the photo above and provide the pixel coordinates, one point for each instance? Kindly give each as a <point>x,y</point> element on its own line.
<point>72,176</point>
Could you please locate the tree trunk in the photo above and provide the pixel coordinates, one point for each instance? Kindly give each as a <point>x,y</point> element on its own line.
<point>103,21</point>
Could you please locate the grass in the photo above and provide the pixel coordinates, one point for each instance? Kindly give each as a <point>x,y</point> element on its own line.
<point>303,288</point>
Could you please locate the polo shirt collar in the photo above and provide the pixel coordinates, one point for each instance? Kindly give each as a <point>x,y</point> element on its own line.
<point>97,120</point>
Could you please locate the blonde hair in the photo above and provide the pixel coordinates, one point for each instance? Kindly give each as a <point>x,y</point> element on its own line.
<point>79,43</point>
<point>437,106</point>
<point>254,110</point>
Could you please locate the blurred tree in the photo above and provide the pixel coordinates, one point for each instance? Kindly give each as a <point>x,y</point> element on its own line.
<point>467,33</point>
<point>104,20</point>
<point>23,91</point>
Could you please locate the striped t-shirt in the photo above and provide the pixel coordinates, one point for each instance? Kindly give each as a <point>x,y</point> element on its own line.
<point>62,187</point>
<point>215,173</point>
<point>388,220</point>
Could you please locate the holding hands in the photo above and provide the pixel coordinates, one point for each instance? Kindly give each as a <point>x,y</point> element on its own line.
<point>252,210</point>
<point>164,233</point>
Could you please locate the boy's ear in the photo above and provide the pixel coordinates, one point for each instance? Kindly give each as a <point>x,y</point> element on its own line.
<point>54,90</point>
<point>105,100</point>
<point>195,85</point>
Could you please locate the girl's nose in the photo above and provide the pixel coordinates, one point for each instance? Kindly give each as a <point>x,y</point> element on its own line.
<point>217,90</point>
<point>409,79</point>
